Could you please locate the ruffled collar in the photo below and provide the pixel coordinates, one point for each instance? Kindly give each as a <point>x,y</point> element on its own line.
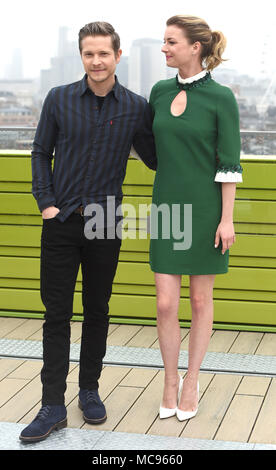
<point>194,81</point>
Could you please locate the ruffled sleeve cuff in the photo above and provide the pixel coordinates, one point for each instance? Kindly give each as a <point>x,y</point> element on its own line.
<point>229,174</point>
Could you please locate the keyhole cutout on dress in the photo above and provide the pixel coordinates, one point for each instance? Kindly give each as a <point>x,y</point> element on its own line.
<point>179,104</point>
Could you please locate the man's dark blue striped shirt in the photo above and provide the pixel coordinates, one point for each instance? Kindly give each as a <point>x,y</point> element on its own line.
<point>90,146</point>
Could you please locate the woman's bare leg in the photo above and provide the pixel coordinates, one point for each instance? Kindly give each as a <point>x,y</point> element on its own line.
<point>168,296</point>
<point>201,298</point>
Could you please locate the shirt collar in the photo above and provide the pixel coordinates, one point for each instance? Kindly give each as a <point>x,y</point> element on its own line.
<point>83,87</point>
<point>193,78</point>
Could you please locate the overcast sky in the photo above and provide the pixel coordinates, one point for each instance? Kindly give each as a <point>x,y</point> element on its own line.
<point>32,25</point>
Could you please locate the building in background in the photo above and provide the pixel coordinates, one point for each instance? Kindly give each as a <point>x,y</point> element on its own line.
<point>146,65</point>
<point>122,71</point>
<point>25,90</point>
<point>21,99</point>
<point>65,68</point>
<point>14,71</point>
<point>18,103</point>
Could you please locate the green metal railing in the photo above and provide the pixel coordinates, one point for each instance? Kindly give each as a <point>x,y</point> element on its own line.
<point>244,299</point>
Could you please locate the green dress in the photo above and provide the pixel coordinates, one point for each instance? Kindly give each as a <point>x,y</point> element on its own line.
<point>196,152</point>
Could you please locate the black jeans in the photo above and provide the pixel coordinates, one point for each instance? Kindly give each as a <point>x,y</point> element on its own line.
<point>64,248</point>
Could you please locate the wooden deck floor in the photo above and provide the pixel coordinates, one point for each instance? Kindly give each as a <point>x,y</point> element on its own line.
<point>232,407</point>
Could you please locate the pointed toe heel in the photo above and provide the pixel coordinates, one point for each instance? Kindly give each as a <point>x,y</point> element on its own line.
<point>166,412</point>
<point>169,412</point>
<point>184,415</point>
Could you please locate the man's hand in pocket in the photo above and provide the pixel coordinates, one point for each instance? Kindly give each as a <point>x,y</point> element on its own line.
<point>50,212</point>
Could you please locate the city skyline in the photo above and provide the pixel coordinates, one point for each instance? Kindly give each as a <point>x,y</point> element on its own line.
<point>249,48</point>
<point>142,65</point>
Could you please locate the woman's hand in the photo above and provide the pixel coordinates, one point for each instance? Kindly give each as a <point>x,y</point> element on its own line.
<point>226,233</point>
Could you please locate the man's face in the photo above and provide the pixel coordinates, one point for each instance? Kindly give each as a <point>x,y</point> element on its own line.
<point>98,58</point>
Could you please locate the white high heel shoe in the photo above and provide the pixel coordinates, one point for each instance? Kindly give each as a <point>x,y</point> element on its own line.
<point>183,415</point>
<point>168,412</point>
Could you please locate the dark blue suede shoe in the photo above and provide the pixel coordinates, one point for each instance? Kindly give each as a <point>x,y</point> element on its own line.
<point>93,408</point>
<point>49,417</point>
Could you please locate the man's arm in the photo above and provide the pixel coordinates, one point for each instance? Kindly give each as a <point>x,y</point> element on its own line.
<point>143,141</point>
<point>42,155</point>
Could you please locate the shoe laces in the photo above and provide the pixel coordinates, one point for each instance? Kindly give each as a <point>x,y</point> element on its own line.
<point>91,396</point>
<point>43,412</point>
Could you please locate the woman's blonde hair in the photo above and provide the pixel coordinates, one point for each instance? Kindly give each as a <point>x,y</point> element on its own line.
<point>196,29</point>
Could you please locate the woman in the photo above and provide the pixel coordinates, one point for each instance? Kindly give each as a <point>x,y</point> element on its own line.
<point>197,134</point>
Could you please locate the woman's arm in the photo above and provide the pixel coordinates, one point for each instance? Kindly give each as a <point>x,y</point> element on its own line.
<point>225,231</point>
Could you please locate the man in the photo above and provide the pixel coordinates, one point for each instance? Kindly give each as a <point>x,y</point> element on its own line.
<point>91,125</point>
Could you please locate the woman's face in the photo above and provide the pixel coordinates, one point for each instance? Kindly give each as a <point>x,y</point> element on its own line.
<point>179,52</point>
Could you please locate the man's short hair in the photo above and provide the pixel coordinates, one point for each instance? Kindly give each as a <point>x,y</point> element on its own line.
<point>100,28</point>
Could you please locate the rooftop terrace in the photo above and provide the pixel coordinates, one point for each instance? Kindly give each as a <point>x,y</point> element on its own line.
<point>237,407</point>
<point>238,376</point>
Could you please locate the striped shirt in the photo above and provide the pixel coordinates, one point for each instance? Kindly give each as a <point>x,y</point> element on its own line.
<point>89,146</point>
